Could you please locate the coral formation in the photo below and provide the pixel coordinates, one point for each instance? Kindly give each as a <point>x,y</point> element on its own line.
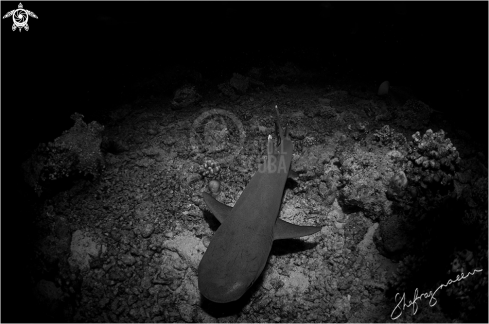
<point>210,168</point>
<point>185,96</point>
<point>239,82</point>
<point>432,159</point>
<point>227,90</point>
<point>76,151</point>
<point>413,114</point>
<point>366,177</point>
<point>387,136</point>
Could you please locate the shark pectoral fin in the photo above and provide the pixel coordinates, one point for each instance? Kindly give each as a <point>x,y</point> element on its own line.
<point>285,230</point>
<point>219,210</point>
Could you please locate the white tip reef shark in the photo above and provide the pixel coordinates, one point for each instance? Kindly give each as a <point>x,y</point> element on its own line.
<point>239,249</point>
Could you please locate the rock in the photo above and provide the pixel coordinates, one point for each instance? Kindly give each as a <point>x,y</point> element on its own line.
<point>145,162</point>
<point>341,307</point>
<point>103,302</point>
<point>49,298</point>
<point>339,225</point>
<point>214,186</point>
<point>187,312</point>
<point>96,263</point>
<point>295,283</point>
<point>344,283</point>
<point>368,239</point>
<point>239,82</point>
<point>169,140</point>
<point>392,238</point>
<point>143,210</point>
<point>128,259</point>
<point>146,283</point>
<point>189,247</point>
<point>83,248</point>
<point>206,241</point>
<point>116,235</point>
<point>193,177</point>
<point>147,229</point>
<point>116,275</point>
<point>185,96</point>
<point>299,133</point>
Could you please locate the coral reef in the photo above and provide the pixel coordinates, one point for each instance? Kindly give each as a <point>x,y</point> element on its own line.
<point>240,82</point>
<point>185,96</point>
<point>433,159</point>
<point>75,152</point>
<point>227,90</point>
<point>358,179</point>
<point>387,136</point>
<point>413,114</point>
<point>366,177</point>
<point>471,187</point>
<point>284,73</point>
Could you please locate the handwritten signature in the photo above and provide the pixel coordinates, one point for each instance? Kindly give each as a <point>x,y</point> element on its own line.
<point>399,308</point>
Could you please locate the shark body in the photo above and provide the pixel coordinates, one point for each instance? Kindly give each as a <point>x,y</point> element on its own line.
<point>239,249</point>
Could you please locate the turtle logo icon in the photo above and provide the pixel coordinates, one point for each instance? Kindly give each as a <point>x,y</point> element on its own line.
<point>20,17</point>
